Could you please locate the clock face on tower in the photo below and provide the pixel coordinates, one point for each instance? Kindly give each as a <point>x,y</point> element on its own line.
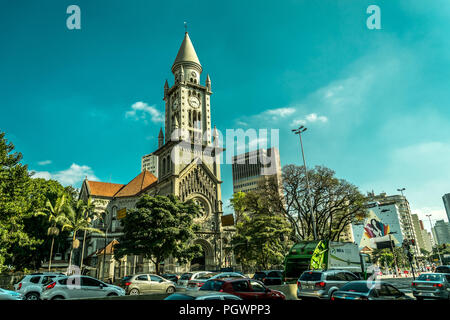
<point>194,102</point>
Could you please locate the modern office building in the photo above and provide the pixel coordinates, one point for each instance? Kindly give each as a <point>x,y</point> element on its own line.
<point>149,162</point>
<point>422,236</point>
<point>446,199</point>
<point>255,167</point>
<point>441,232</point>
<point>405,214</point>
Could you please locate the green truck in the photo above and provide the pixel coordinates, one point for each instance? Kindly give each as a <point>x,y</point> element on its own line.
<point>325,255</point>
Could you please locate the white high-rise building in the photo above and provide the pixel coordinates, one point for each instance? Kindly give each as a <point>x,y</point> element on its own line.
<point>149,162</point>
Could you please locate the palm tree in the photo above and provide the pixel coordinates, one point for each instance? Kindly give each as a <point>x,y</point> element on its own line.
<point>91,215</point>
<point>76,219</point>
<point>55,216</point>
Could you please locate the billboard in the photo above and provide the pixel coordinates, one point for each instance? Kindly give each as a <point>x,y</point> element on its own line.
<point>374,230</point>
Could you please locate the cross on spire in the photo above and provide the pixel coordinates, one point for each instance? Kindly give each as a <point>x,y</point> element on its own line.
<point>185,26</point>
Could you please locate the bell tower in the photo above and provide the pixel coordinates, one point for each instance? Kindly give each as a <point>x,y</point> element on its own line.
<point>187,101</point>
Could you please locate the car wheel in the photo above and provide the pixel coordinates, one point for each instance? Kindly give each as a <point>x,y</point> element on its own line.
<point>170,290</point>
<point>32,296</point>
<point>331,294</point>
<point>134,292</point>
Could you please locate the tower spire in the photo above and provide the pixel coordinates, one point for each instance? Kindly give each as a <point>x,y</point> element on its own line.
<point>187,55</point>
<point>160,138</point>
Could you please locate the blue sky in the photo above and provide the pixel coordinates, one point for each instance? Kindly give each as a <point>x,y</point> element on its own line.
<point>376,102</point>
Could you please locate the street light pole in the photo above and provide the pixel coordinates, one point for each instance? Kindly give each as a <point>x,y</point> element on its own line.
<point>437,247</point>
<point>313,219</point>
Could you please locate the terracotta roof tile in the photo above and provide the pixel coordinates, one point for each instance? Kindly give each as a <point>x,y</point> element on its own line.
<point>138,184</point>
<point>104,189</point>
<point>109,248</point>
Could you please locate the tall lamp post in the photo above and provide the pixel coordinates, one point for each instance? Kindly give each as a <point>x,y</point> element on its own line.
<point>299,131</point>
<point>437,247</point>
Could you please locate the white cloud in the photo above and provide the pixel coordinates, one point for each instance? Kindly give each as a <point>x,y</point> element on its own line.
<point>45,162</point>
<point>141,110</point>
<point>312,117</point>
<point>71,176</point>
<point>280,112</point>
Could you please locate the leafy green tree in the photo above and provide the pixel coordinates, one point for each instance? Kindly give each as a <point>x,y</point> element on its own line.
<point>77,219</point>
<point>260,239</point>
<point>160,227</point>
<point>91,214</point>
<point>238,203</point>
<point>14,204</point>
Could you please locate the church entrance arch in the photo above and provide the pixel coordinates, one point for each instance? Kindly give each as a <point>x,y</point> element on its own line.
<point>206,260</point>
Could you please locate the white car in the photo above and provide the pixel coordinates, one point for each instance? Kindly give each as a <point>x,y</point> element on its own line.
<point>185,277</point>
<point>31,286</point>
<point>79,287</point>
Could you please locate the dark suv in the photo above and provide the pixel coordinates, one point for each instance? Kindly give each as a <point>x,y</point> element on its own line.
<point>322,284</point>
<point>243,288</point>
<point>442,269</point>
<point>269,277</point>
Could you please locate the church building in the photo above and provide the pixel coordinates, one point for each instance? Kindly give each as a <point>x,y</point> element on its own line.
<point>188,167</point>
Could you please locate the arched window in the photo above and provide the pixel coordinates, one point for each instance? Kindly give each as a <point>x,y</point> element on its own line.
<point>168,163</point>
<point>164,165</point>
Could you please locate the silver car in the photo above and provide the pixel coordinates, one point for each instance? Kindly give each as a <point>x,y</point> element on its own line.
<point>148,283</point>
<point>31,286</point>
<point>79,287</point>
<point>322,284</point>
<point>431,286</point>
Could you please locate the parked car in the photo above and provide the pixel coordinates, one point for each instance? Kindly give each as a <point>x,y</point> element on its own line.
<point>198,283</point>
<point>123,281</point>
<point>185,277</point>
<point>244,288</point>
<point>31,286</point>
<point>202,295</point>
<point>148,283</point>
<point>369,290</point>
<point>322,284</point>
<point>269,277</point>
<point>10,295</point>
<point>431,286</point>
<point>79,287</point>
<point>442,269</point>
<point>171,277</point>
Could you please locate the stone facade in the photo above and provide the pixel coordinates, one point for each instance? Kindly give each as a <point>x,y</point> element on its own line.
<point>188,167</point>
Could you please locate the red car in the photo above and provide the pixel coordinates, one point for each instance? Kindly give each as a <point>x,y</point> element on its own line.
<point>243,288</point>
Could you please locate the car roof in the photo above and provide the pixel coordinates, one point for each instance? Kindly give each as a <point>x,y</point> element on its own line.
<point>198,293</point>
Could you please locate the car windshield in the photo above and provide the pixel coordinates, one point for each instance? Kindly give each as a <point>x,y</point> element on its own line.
<point>443,269</point>
<point>430,277</point>
<point>186,276</point>
<point>212,285</point>
<point>178,296</point>
<point>259,274</point>
<point>357,287</point>
<point>311,276</point>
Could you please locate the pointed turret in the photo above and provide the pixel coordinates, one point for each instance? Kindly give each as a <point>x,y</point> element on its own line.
<point>160,138</point>
<point>215,137</point>
<point>208,83</point>
<point>166,89</point>
<point>187,55</point>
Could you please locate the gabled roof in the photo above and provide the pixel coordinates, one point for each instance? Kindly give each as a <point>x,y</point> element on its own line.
<point>137,185</point>
<point>112,190</point>
<point>103,189</point>
<point>109,248</point>
<point>186,53</point>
